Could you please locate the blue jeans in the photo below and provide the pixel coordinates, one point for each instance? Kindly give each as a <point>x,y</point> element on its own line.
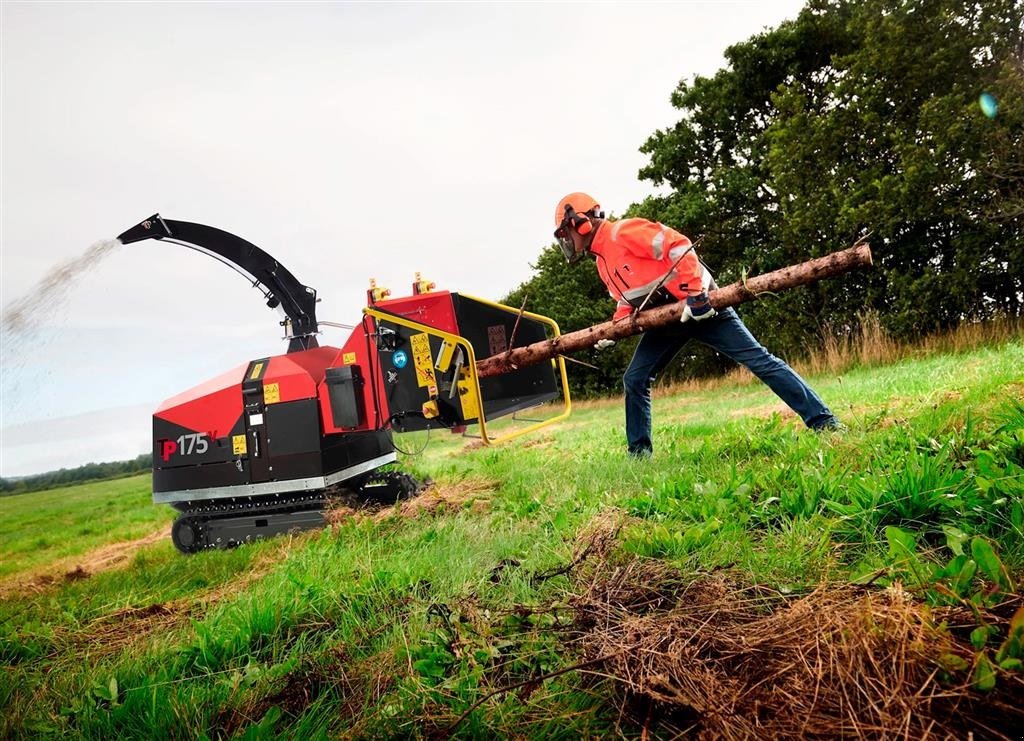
<point>727,334</point>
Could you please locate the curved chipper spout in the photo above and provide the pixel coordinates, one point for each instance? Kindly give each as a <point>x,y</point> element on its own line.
<point>280,287</point>
<point>152,228</point>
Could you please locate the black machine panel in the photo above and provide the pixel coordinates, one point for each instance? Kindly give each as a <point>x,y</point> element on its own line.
<point>409,359</point>
<point>489,330</point>
<point>345,392</point>
<point>352,449</point>
<point>255,421</point>
<point>293,427</point>
<point>183,458</point>
<point>293,439</point>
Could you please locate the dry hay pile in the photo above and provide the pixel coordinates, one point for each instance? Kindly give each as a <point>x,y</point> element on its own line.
<point>708,658</point>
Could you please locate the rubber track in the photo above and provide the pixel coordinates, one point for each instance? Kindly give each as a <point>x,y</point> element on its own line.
<point>202,520</point>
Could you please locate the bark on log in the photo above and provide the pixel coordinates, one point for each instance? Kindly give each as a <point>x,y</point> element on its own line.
<point>811,271</point>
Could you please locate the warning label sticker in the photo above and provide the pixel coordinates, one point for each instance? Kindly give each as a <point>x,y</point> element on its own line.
<point>496,341</point>
<point>422,361</point>
<point>348,358</point>
<point>271,393</point>
<point>238,444</point>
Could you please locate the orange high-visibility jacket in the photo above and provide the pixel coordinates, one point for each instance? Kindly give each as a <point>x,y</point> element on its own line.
<point>634,255</point>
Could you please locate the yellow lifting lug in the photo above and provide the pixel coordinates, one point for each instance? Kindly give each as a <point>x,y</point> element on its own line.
<point>376,293</point>
<point>422,286</point>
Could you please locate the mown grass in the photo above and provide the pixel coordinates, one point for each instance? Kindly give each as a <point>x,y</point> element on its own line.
<point>42,527</point>
<point>394,626</point>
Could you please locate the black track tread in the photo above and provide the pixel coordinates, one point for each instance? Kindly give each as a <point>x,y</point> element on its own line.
<point>202,514</point>
<point>378,486</point>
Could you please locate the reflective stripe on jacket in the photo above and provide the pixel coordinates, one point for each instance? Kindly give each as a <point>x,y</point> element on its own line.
<point>634,255</point>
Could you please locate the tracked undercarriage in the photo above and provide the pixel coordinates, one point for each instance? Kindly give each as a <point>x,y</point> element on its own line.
<point>232,522</point>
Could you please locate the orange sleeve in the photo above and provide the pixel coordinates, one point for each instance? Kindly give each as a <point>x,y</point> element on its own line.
<point>688,269</point>
<point>622,311</point>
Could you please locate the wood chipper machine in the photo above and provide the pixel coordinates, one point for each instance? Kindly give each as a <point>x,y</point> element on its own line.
<point>259,450</point>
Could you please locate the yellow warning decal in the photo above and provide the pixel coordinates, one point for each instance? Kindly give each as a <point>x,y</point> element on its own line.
<point>238,445</point>
<point>467,395</point>
<point>348,358</point>
<point>256,370</point>
<point>271,393</point>
<point>421,359</point>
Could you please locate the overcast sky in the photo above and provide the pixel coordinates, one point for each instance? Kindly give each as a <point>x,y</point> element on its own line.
<point>348,140</point>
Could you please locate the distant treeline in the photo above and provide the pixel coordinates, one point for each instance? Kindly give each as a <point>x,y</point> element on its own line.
<point>69,476</point>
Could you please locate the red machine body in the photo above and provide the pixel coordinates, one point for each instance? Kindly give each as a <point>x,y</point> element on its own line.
<point>256,451</point>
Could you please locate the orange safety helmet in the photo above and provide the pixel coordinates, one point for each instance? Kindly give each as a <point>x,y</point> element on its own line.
<point>575,212</point>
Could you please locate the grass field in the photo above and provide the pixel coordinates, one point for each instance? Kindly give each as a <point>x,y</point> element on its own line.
<point>62,523</point>
<point>396,623</point>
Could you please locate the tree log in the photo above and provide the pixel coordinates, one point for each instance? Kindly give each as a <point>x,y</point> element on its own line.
<point>811,271</point>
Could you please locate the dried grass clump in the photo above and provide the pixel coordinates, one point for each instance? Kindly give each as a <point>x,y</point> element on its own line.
<point>105,558</point>
<point>474,493</point>
<point>718,661</point>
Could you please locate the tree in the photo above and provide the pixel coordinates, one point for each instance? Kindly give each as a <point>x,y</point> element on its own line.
<point>67,477</point>
<point>858,116</point>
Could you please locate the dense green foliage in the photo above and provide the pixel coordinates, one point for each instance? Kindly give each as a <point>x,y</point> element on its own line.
<point>859,116</point>
<point>392,627</point>
<point>68,476</point>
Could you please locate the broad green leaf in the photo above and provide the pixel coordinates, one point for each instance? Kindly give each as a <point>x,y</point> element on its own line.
<point>952,567</point>
<point>901,542</point>
<point>1017,622</point>
<point>987,559</point>
<point>428,668</point>
<point>984,676</point>
<point>955,539</point>
<point>273,715</point>
<point>954,663</point>
<point>980,636</point>
<point>1013,646</point>
<point>962,582</point>
<point>1017,516</point>
<point>1011,665</point>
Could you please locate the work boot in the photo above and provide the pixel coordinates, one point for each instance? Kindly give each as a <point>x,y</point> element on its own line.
<point>833,425</point>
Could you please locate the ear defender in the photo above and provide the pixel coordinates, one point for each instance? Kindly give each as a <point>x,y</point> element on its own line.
<point>580,223</point>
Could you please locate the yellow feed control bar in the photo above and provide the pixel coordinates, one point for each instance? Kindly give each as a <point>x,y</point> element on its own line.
<point>468,378</point>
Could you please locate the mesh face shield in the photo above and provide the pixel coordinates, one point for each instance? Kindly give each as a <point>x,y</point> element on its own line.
<point>565,243</point>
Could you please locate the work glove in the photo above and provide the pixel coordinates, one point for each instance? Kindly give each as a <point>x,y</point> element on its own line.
<point>602,344</point>
<point>697,308</point>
